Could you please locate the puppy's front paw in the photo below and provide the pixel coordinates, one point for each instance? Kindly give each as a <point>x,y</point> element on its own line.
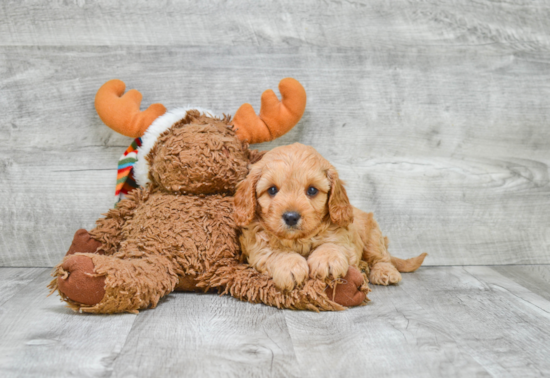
<point>289,271</point>
<point>384,274</point>
<point>327,261</point>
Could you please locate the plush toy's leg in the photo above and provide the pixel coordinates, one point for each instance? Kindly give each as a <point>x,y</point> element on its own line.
<point>106,284</point>
<point>245,283</point>
<point>79,281</point>
<point>83,242</point>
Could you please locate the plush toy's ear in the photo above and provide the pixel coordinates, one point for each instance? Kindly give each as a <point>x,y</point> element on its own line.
<point>121,112</point>
<point>245,198</point>
<point>276,117</point>
<point>339,207</point>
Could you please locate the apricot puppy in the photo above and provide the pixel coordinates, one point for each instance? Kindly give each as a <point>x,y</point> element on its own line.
<point>297,220</point>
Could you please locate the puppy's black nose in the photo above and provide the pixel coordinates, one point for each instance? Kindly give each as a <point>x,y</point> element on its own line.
<point>291,218</point>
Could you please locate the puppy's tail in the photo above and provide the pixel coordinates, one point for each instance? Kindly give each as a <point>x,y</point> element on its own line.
<point>409,265</point>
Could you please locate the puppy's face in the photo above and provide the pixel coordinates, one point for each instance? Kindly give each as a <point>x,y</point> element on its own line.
<point>292,196</point>
<point>292,191</point>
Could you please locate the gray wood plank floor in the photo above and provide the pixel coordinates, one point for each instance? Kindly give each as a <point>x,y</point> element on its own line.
<point>439,322</point>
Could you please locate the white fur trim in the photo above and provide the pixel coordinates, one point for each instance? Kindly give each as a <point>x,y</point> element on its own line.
<point>148,140</point>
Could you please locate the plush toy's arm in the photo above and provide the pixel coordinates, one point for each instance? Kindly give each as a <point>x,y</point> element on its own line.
<point>244,282</point>
<point>108,230</point>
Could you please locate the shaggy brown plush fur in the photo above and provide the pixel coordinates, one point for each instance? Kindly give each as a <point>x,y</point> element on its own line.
<point>199,155</point>
<point>180,232</point>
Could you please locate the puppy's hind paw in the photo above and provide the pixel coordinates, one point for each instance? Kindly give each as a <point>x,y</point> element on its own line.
<point>384,274</point>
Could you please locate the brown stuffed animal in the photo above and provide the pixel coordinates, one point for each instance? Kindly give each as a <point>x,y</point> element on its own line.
<point>177,232</point>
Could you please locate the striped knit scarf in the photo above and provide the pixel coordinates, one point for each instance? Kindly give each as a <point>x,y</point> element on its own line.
<point>125,181</point>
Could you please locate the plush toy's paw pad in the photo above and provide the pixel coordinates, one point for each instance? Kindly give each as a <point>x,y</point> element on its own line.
<point>188,283</point>
<point>79,282</point>
<point>325,263</point>
<point>384,274</point>
<point>289,272</point>
<point>83,242</point>
<point>348,293</point>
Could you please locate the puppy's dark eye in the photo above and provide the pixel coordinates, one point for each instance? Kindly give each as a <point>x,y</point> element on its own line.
<point>272,191</point>
<point>311,191</point>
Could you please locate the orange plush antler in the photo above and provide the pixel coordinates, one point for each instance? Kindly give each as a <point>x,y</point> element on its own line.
<point>121,113</point>
<point>276,117</point>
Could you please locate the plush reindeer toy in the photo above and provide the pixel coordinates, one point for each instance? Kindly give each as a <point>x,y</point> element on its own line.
<point>177,230</point>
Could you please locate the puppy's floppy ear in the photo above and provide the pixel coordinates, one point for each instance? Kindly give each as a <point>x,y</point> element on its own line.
<point>245,198</point>
<point>339,207</point>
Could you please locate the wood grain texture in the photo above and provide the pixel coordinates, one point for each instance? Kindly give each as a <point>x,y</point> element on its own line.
<point>534,278</point>
<point>14,279</point>
<point>439,322</point>
<point>435,113</point>
<point>39,337</point>
<point>208,336</point>
<point>364,24</point>
<point>502,283</point>
<point>450,322</point>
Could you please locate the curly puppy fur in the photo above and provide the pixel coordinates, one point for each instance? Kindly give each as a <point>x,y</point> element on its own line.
<point>326,235</point>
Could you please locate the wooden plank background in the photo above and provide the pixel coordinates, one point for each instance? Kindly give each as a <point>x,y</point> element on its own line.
<point>435,112</point>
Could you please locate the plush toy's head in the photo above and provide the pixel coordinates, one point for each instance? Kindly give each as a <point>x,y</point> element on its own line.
<point>198,154</point>
<point>190,151</point>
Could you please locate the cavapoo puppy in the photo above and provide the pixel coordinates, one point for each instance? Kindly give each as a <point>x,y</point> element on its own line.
<point>297,221</point>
